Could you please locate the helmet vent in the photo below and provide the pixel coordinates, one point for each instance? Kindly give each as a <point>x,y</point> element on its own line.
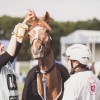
<point>85,58</point>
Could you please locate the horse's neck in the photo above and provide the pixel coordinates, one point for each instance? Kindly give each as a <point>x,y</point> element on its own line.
<point>47,62</point>
<point>53,79</point>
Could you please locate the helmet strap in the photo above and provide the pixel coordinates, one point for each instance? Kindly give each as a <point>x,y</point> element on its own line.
<point>79,68</point>
<point>73,69</point>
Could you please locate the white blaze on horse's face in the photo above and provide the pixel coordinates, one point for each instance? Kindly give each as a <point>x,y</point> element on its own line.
<point>38,38</point>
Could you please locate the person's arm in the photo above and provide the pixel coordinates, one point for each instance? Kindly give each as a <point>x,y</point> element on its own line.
<point>4,58</point>
<point>17,51</point>
<point>21,36</point>
<point>15,42</point>
<point>13,47</point>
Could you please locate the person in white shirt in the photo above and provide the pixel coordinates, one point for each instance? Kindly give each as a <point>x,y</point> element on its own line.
<point>82,84</point>
<point>8,79</point>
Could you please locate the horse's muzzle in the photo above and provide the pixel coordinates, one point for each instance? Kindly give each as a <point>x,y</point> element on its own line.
<point>37,54</point>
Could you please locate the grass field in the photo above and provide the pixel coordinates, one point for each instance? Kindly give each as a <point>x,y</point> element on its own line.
<point>24,68</point>
<point>20,88</point>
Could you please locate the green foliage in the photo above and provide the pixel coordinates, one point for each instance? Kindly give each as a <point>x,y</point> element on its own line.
<point>25,53</point>
<point>59,29</point>
<point>7,25</point>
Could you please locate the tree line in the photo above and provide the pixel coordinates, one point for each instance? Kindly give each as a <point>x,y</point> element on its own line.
<point>59,29</point>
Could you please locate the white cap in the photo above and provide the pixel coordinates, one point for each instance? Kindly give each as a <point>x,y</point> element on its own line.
<point>79,52</point>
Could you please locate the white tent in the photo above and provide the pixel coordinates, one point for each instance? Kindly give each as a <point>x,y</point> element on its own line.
<point>88,37</point>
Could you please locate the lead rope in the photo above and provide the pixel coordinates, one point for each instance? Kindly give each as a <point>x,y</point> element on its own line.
<point>44,81</point>
<point>44,86</point>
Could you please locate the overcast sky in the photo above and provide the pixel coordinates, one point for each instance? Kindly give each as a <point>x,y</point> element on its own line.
<point>59,10</point>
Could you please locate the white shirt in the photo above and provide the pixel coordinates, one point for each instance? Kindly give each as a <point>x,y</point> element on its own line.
<point>8,84</point>
<point>82,86</point>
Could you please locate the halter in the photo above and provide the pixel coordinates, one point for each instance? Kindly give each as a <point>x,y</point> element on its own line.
<point>38,50</point>
<point>41,71</point>
<point>36,38</point>
<point>45,72</point>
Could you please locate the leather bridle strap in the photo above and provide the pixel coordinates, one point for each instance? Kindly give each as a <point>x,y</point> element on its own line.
<point>45,72</point>
<point>48,71</point>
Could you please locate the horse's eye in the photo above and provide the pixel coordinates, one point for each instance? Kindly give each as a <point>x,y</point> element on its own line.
<point>28,36</point>
<point>47,31</point>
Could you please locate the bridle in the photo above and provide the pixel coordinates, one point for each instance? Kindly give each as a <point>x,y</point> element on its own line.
<point>42,71</point>
<point>44,46</point>
<point>39,51</point>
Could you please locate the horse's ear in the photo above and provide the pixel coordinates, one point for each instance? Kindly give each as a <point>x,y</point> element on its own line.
<point>47,17</point>
<point>45,21</point>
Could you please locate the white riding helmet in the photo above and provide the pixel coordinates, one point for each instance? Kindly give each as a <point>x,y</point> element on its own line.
<point>79,52</point>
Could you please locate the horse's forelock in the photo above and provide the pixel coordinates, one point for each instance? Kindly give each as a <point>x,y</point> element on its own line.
<point>40,22</point>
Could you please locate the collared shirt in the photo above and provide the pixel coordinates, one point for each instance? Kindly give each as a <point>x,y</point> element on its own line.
<point>82,86</point>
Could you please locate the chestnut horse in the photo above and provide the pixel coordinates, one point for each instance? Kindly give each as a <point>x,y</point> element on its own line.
<point>46,80</point>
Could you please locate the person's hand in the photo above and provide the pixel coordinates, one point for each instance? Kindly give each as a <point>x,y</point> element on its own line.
<point>20,29</point>
<point>29,16</point>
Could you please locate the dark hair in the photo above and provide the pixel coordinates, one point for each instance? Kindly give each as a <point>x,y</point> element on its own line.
<point>83,66</point>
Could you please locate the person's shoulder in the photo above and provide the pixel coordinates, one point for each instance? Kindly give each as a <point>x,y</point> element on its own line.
<point>83,76</point>
<point>71,82</point>
<point>75,80</point>
<point>77,77</point>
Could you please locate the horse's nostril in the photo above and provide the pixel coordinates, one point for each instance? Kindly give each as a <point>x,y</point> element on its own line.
<point>40,48</point>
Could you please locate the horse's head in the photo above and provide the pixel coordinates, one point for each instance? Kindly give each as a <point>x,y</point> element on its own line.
<point>39,36</point>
